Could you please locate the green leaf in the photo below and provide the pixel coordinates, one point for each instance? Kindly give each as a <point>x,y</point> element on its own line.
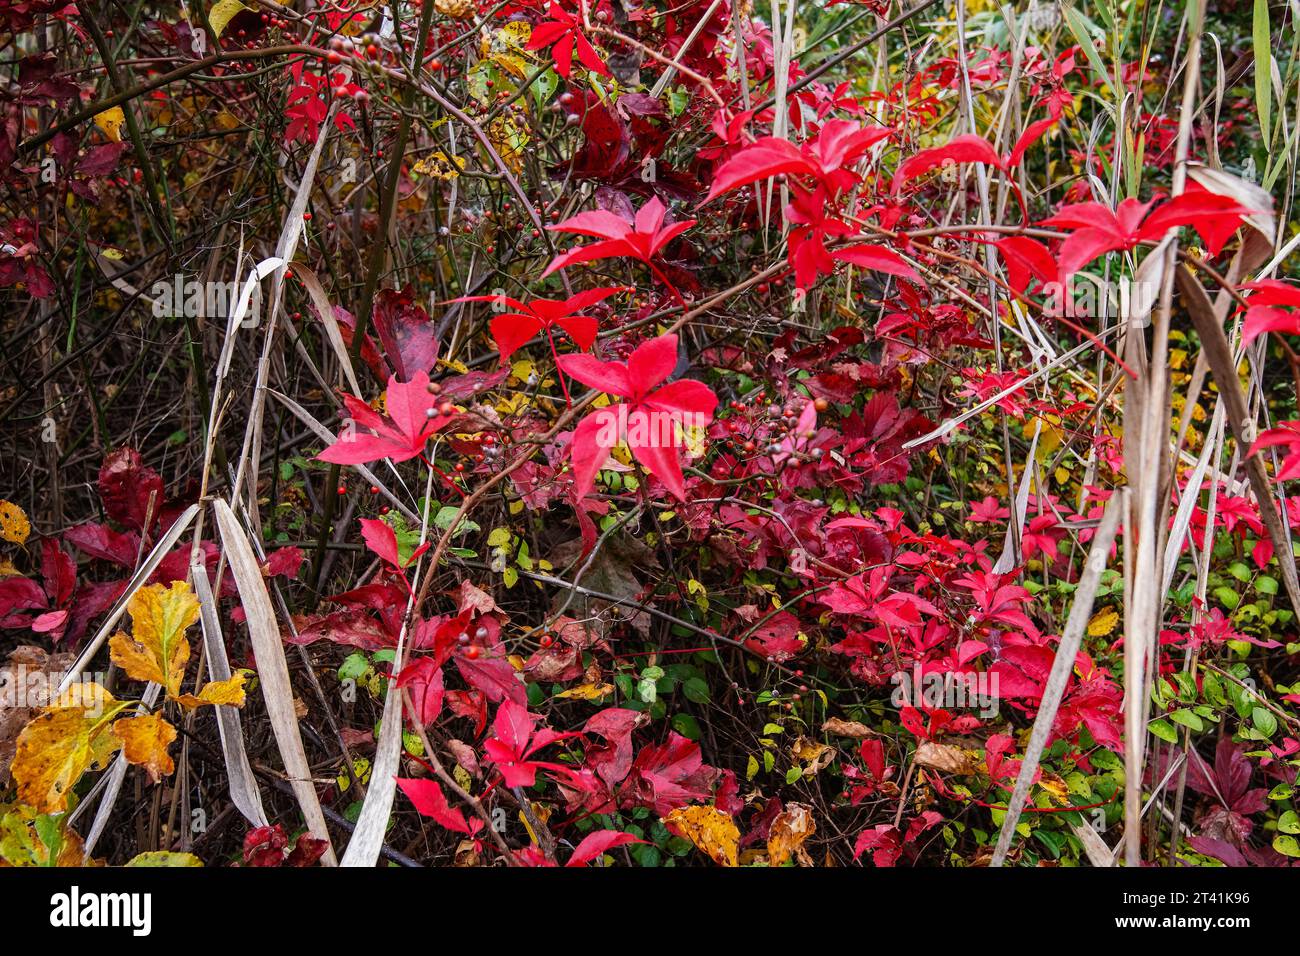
<point>1227,597</point>
<point>1187,718</point>
<point>1286,845</point>
<point>1264,721</point>
<point>1164,730</point>
<point>1289,822</point>
<point>1262,39</point>
<point>696,690</point>
<point>687,726</point>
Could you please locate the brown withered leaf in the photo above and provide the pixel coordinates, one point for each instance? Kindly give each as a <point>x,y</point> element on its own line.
<point>847,728</point>
<point>944,758</point>
<point>813,754</point>
<point>789,830</point>
<point>26,681</point>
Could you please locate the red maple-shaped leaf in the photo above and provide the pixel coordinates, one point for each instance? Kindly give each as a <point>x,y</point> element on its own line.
<point>514,742</point>
<point>967,148</point>
<point>399,435</point>
<point>1288,434</point>
<point>431,802</point>
<point>512,329</point>
<point>826,158</point>
<point>1267,309</point>
<point>641,239</point>
<point>647,421</point>
<point>563,34</point>
<point>1098,229</point>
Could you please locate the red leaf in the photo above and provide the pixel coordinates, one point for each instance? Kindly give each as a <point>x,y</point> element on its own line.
<point>126,486</point>
<point>596,844</point>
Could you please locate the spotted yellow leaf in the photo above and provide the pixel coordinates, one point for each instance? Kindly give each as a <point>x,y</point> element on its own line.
<point>14,526</point>
<point>1103,622</point>
<point>439,166</point>
<point>61,743</point>
<point>594,691</point>
<point>713,832</point>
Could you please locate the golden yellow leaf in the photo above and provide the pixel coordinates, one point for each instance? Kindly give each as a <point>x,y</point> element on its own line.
<point>222,12</point>
<point>8,570</point>
<point>61,743</point>
<point>14,525</point>
<point>145,741</point>
<point>593,691</point>
<point>1103,622</point>
<point>789,830</point>
<point>111,121</point>
<point>1057,789</point>
<point>712,831</point>
<point>157,650</point>
<point>438,165</point>
<point>229,692</point>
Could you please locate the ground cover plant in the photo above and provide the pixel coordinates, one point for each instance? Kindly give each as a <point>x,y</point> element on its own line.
<point>649,434</point>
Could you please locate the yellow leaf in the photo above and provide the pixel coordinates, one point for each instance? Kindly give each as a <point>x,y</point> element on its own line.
<point>229,692</point>
<point>145,741</point>
<point>14,525</point>
<point>440,166</point>
<point>61,743</point>
<point>712,831</point>
<point>157,651</point>
<point>1103,622</point>
<point>164,858</point>
<point>813,753</point>
<point>110,121</point>
<point>222,13</point>
<point>788,832</point>
<point>1057,789</point>
<point>509,139</point>
<point>593,691</point>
